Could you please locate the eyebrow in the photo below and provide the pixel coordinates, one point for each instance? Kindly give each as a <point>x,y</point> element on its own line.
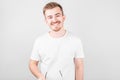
<point>57,13</point>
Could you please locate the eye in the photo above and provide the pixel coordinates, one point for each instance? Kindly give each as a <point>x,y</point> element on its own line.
<point>49,17</point>
<point>58,15</point>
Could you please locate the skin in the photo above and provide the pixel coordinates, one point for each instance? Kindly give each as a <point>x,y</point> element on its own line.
<point>79,69</point>
<point>55,20</point>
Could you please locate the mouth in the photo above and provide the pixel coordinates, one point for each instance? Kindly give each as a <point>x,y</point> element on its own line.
<point>55,23</point>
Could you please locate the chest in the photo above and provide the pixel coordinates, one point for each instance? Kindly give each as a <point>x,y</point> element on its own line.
<point>64,50</point>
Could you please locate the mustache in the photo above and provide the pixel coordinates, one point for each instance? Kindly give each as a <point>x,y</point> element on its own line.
<point>55,22</point>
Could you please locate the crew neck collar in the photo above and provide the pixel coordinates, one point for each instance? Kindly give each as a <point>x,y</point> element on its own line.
<point>62,37</point>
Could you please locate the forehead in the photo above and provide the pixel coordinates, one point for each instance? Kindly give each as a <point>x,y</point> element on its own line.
<point>53,11</point>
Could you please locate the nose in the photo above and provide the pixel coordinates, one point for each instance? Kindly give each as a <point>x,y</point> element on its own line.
<point>54,19</point>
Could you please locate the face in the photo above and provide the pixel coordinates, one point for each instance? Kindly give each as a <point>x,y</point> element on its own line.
<point>54,18</point>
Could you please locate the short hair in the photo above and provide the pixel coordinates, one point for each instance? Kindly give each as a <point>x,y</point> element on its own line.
<point>52,5</point>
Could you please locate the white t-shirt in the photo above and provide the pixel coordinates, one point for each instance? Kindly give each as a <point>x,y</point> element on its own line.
<point>56,55</point>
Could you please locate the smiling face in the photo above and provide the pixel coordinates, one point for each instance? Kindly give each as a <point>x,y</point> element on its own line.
<point>54,18</point>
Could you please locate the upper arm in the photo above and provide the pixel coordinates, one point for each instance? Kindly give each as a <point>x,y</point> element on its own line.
<point>79,53</point>
<point>33,62</point>
<point>78,62</point>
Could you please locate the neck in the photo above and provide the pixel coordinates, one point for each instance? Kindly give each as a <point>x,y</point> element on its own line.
<point>57,34</point>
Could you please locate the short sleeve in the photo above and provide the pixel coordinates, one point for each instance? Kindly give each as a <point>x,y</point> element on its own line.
<point>35,53</point>
<point>79,50</point>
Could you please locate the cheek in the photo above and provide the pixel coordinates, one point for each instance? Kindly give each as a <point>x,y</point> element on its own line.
<point>62,19</point>
<point>48,21</point>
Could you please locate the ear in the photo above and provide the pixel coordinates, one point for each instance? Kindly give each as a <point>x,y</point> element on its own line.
<point>64,17</point>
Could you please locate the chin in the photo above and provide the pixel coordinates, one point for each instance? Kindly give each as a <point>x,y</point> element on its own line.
<point>55,30</point>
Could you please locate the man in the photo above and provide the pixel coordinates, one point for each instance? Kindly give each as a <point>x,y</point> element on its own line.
<point>59,53</point>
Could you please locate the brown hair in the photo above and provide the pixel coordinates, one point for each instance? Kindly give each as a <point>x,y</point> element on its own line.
<point>52,5</point>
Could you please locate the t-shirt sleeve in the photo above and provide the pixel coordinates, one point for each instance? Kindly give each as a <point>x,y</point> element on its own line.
<point>79,50</point>
<point>35,54</point>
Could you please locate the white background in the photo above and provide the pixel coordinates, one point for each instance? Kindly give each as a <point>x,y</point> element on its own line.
<point>96,22</point>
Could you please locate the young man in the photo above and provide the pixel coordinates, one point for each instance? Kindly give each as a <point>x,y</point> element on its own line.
<point>59,53</point>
